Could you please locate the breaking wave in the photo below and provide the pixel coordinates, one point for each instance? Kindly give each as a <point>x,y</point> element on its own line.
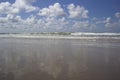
<point>70,36</point>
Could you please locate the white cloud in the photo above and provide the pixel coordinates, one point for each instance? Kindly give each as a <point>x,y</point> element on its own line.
<point>80,25</point>
<point>77,11</point>
<point>15,8</point>
<point>53,24</point>
<point>3,20</point>
<point>7,8</point>
<point>32,23</point>
<point>103,20</point>
<point>30,20</point>
<point>13,18</point>
<point>117,14</point>
<point>52,11</point>
<point>10,23</point>
<point>110,23</point>
<point>10,19</point>
<point>54,19</point>
<point>24,5</point>
<point>114,24</point>
<point>108,20</point>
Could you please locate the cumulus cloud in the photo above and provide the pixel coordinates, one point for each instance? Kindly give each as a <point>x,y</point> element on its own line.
<point>3,20</point>
<point>114,24</point>
<point>13,18</point>
<point>7,8</point>
<point>103,20</point>
<point>117,14</point>
<point>110,23</point>
<point>24,5</point>
<point>30,20</point>
<point>80,24</point>
<point>108,20</point>
<point>51,18</point>
<point>56,24</point>
<point>52,11</point>
<point>77,11</point>
<point>10,19</point>
<point>32,23</point>
<point>55,17</point>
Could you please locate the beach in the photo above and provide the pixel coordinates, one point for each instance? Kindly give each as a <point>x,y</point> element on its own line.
<point>59,58</point>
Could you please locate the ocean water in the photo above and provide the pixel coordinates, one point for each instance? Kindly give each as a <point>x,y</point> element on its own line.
<point>33,58</point>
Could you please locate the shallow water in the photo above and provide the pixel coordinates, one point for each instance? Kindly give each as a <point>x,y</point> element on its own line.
<point>59,59</point>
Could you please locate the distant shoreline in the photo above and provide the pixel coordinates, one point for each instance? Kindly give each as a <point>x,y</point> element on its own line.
<point>82,37</point>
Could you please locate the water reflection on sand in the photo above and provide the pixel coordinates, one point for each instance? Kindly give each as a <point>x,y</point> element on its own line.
<point>55,59</point>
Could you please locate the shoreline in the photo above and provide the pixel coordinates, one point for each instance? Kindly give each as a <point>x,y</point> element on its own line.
<point>87,37</point>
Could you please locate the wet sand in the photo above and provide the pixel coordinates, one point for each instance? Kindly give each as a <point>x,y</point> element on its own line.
<point>59,59</point>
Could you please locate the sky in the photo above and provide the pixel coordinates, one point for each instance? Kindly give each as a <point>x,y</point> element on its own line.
<point>26,16</point>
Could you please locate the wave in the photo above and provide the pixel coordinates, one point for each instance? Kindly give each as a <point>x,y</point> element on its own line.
<point>92,36</point>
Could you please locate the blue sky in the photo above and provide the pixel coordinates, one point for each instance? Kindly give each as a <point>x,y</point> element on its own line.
<point>97,8</point>
<point>59,16</point>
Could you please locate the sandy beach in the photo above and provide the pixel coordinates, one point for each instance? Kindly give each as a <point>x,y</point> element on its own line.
<point>32,58</point>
